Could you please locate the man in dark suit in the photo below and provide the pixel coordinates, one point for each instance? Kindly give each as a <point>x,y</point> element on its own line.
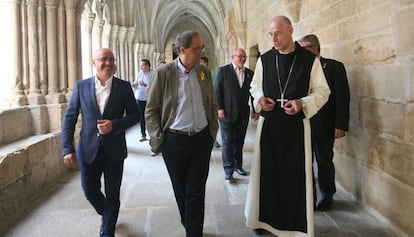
<point>108,108</point>
<point>231,86</point>
<point>181,116</point>
<point>330,122</point>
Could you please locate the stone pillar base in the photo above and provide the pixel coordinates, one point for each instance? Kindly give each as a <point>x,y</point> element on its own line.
<point>36,99</point>
<point>55,98</point>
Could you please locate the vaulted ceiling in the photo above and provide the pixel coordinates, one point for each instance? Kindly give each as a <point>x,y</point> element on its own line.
<point>157,22</point>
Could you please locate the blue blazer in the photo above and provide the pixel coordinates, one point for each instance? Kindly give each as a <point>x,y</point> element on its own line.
<point>121,109</point>
<point>230,97</point>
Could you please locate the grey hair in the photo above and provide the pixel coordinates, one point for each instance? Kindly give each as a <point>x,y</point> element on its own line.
<point>184,39</point>
<point>312,40</point>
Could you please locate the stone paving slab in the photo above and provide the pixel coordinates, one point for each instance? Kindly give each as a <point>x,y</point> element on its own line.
<point>148,207</point>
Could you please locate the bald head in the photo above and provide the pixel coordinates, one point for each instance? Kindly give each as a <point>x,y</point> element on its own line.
<point>281,31</point>
<point>282,19</point>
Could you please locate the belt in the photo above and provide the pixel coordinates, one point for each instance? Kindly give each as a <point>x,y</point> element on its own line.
<point>186,133</point>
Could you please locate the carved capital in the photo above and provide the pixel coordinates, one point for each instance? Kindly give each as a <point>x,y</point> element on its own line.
<point>71,4</point>
<point>31,2</point>
<point>51,3</point>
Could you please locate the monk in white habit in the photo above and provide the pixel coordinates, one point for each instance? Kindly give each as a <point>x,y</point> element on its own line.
<point>289,87</point>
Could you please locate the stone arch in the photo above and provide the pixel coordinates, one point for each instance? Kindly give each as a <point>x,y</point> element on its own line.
<point>171,18</point>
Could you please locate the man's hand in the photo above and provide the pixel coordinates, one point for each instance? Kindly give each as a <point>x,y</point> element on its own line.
<point>104,126</point>
<point>293,107</point>
<point>70,160</point>
<point>339,133</point>
<point>267,104</point>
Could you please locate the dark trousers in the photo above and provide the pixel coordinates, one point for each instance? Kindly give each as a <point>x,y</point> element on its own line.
<point>187,159</point>
<point>141,109</point>
<point>323,152</point>
<point>106,205</point>
<point>232,138</point>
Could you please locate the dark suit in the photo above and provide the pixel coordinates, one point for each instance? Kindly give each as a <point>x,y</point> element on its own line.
<point>234,101</point>
<point>96,153</point>
<point>333,115</point>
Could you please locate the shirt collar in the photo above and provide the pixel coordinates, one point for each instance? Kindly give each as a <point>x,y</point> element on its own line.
<point>107,84</point>
<point>182,68</point>
<point>236,68</point>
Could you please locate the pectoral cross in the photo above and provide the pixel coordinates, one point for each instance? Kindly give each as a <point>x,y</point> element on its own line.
<point>282,100</point>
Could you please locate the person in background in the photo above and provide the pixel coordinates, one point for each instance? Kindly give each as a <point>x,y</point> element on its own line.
<point>204,61</point>
<point>329,123</point>
<point>182,123</point>
<point>108,108</point>
<point>231,87</point>
<point>290,87</point>
<point>141,85</point>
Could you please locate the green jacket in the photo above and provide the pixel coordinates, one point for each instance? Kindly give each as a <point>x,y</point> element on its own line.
<point>163,98</point>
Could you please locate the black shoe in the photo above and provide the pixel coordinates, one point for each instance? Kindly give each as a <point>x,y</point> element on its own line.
<point>325,204</point>
<point>216,144</point>
<point>228,177</point>
<point>241,171</point>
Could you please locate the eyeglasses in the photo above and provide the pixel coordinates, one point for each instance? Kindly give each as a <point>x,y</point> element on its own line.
<point>241,56</point>
<point>105,59</point>
<point>275,34</point>
<point>199,49</point>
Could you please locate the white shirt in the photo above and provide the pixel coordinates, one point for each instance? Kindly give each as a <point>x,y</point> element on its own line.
<point>102,93</point>
<point>240,74</point>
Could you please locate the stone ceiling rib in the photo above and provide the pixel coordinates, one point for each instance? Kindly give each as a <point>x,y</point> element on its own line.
<point>157,22</point>
<point>172,17</point>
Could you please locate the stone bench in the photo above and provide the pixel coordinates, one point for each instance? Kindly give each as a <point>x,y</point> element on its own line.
<point>30,156</point>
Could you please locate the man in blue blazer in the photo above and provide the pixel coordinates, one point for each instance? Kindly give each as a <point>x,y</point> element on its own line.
<point>330,122</point>
<point>108,108</point>
<point>231,87</point>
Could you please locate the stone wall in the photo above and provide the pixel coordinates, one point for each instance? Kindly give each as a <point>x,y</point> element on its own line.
<point>30,156</point>
<point>374,40</point>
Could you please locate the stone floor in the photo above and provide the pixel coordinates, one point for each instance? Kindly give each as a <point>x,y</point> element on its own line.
<point>148,207</point>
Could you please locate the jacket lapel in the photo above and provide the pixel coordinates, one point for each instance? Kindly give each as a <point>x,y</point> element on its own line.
<point>202,79</point>
<point>92,92</point>
<point>114,90</point>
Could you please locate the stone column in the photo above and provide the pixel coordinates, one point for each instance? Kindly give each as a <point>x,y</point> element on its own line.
<point>131,53</point>
<point>42,46</point>
<point>11,90</point>
<point>61,49</point>
<point>97,32</point>
<point>146,51</point>
<point>87,24</point>
<point>138,53</point>
<point>98,24</point>
<point>35,97</point>
<point>151,55</point>
<point>53,96</point>
<point>123,58</point>
<point>156,59</point>
<point>106,36</point>
<point>114,46</point>
<point>70,7</point>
